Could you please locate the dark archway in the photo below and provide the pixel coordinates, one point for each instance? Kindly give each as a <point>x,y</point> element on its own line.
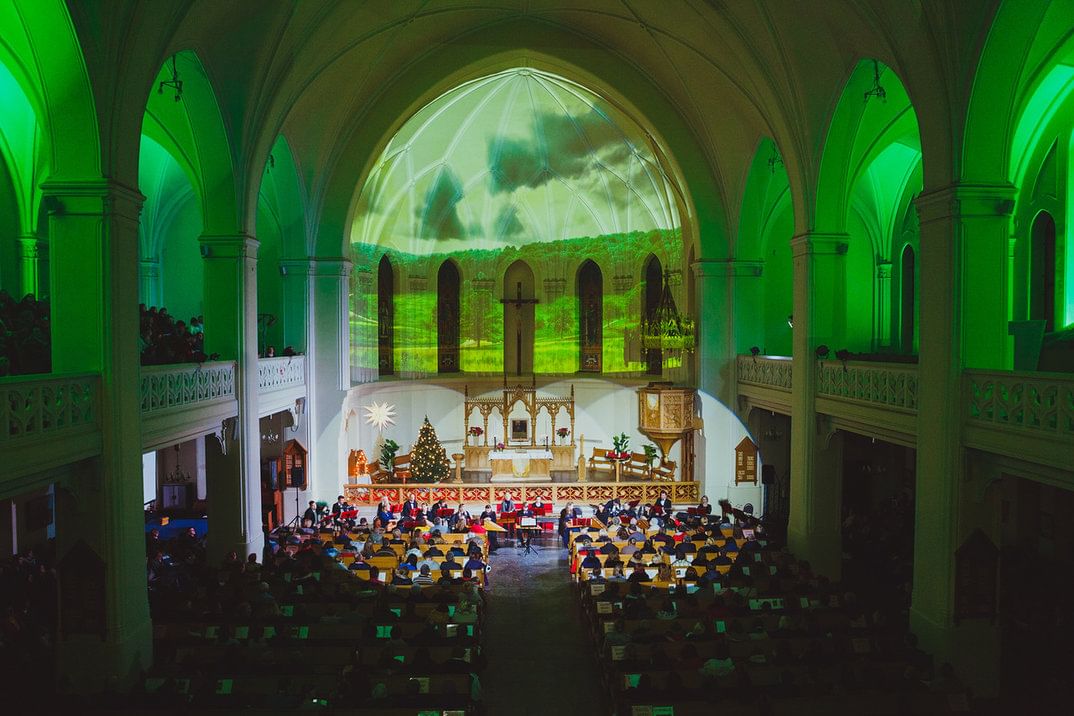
<point>518,318</point>
<point>1042,271</point>
<point>590,317</point>
<point>907,293</point>
<point>447,318</point>
<point>385,317</point>
<point>654,276</point>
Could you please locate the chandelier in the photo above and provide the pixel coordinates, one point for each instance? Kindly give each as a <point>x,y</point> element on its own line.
<point>665,329</point>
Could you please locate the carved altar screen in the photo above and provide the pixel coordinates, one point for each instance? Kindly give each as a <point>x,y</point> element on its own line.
<point>447,318</point>
<point>590,317</point>
<point>532,403</point>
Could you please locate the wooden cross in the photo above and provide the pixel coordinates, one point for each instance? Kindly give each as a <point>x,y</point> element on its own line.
<point>518,302</point>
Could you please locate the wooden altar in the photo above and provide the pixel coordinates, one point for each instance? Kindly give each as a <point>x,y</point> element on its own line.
<point>477,455</point>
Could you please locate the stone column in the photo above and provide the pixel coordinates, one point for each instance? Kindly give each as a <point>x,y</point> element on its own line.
<point>296,302</point>
<point>813,531</point>
<point>714,340</point>
<point>93,236</point>
<point>882,310</point>
<point>149,282</point>
<point>748,291</point>
<point>234,485</point>
<point>30,261</point>
<point>964,264</point>
<point>328,374</point>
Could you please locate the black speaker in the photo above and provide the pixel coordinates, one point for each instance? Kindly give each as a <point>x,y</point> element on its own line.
<point>298,477</point>
<point>768,474</point>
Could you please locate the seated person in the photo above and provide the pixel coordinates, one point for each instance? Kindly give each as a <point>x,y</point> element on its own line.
<point>488,513</point>
<point>450,564</point>
<point>609,548</point>
<point>538,506</point>
<point>663,503</point>
<point>410,507</point>
<point>401,576</point>
<point>384,513</point>
<point>591,561</point>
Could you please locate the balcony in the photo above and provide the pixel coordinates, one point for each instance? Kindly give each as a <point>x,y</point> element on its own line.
<point>875,399</point>
<point>765,381</point>
<point>280,382</point>
<point>47,421</point>
<point>182,401</point>
<point>1021,415</point>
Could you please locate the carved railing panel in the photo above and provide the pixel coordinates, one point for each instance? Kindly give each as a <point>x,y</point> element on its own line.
<point>769,371</point>
<point>1039,402</point>
<point>48,406</point>
<point>173,386</point>
<point>683,493</point>
<point>885,384</point>
<point>283,372</point>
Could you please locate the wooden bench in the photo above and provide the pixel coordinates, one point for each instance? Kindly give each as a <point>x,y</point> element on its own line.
<point>400,470</point>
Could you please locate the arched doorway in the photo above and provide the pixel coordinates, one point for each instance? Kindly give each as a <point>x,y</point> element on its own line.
<point>447,318</point>
<point>590,317</point>
<point>385,317</point>
<point>518,318</point>
<point>907,292</point>
<point>1042,271</point>
<point>654,276</point>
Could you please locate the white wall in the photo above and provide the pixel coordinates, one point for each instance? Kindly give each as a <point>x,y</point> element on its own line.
<point>602,409</point>
<point>149,476</point>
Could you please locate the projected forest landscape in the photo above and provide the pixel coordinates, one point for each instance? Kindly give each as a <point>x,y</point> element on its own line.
<point>551,208</point>
<point>481,315</point>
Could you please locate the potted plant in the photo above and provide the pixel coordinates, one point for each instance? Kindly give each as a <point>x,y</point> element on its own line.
<point>387,456</point>
<point>476,432</point>
<point>562,433</point>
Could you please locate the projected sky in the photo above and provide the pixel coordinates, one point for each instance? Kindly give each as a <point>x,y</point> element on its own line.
<point>518,165</point>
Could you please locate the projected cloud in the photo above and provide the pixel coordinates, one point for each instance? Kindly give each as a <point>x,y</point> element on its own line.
<point>516,157</point>
<point>518,166</point>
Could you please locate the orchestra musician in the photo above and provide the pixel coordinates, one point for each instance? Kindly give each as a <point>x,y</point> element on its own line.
<point>508,506</point>
<point>410,507</point>
<point>339,505</point>
<point>665,506</point>
<point>310,517</point>
<point>385,514</point>
<point>703,509</point>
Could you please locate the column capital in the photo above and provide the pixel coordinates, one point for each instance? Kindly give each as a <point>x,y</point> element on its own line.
<point>91,196</point>
<point>966,199</point>
<point>883,269</point>
<point>228,246</point>
<point>30,247</point>
<point>817,243</point>
<point>710,268</point>
<point>330,266</point>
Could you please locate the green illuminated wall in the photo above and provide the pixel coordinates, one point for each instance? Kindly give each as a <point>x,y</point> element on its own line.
<point>518,165</point>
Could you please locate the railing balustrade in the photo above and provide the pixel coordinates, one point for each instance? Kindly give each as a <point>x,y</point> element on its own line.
<point>1038,402</point>
<point>187,384</point>
<point>48,406</point>
<point>768,371</point>
<point>888,384</point>
<point>281,372</point>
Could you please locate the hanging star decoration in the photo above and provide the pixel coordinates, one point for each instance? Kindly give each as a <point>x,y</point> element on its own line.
<point>380,415</point>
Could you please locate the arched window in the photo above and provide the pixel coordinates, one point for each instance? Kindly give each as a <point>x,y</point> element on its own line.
<point>907,295</point>
<point>447,318</point>
<point>385,317</point>
<point>654,276</point>
<point>1042,271</point>
<point>590,317</point>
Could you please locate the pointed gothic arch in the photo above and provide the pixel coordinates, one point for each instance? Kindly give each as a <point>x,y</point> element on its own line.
<point>652,283</point>
<point>385,317</point>
<point>590,291</point>
<point>448,282</point>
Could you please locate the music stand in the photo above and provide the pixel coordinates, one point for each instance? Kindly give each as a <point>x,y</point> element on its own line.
<point>527,526</point>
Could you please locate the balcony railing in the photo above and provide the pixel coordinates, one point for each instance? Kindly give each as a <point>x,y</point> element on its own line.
<point>768,371</point>
<point>49,406</point>
<point>278,373</point>
<point>884,384</point>
<point>1042,403</point>
<point>186,385</point>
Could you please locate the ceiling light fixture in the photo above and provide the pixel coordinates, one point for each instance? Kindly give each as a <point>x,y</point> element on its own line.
<point>667,330</point>
<point>877,90</point>
<point>175,83</point>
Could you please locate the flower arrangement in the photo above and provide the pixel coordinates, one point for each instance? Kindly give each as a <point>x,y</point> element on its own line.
<point>562,433</point>
<point>620,447</point>
<point>476,431</point>
<point>499,446</point>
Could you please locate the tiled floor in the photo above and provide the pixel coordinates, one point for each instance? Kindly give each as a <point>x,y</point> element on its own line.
<point>540,658</point>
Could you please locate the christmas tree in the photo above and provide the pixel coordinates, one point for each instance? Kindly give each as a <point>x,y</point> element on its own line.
<point>428,458</point>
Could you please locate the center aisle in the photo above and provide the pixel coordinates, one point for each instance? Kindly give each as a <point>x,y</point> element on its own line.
<point>539,655</point>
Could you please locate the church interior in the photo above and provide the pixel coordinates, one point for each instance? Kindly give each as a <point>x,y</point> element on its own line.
<point>443,357</point>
